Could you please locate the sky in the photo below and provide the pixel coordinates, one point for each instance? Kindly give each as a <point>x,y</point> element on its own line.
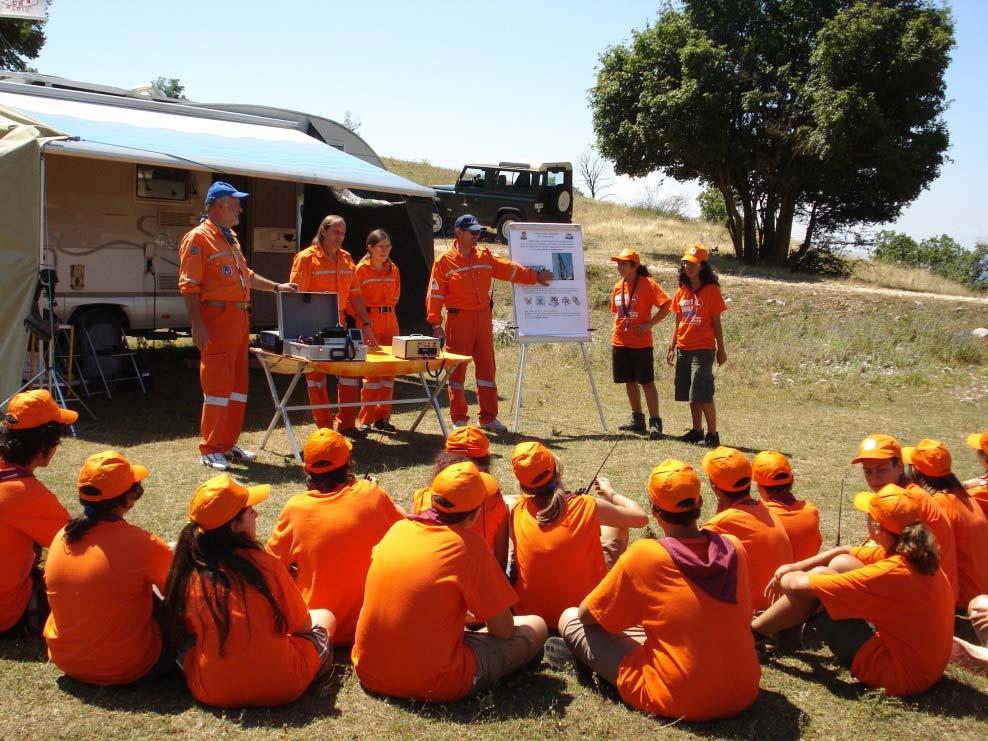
<point>453,82</point>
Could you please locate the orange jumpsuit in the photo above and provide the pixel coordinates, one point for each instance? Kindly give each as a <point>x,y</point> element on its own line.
<point>212,265</point>
<point>463,285</point>
<point>380,290</point>
<point>314,271</point>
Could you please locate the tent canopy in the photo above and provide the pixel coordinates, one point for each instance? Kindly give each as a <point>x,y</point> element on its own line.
<point>198,142</point>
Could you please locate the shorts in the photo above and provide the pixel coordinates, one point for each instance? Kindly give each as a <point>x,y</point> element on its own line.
<point>32,621</point>
<point>844,638</point>
<point>695,376</point>
<point>633,364</point>
<point>497,657</point>
<point>599,649</point>
<point>319,637</point>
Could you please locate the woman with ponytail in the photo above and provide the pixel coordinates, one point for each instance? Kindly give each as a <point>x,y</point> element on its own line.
<point>244,634</point>
<point>564,542</point>
<point>101,573</point>
<point>885,612</point>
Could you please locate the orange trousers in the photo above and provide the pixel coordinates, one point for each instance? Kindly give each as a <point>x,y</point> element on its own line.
<point>223,377</point>
<point>377,392</point>
<point>347,391</point>
<point>470,332</point>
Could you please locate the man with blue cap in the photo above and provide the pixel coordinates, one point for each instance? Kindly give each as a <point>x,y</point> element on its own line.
<point>461,282</point>
<point>215,281</point>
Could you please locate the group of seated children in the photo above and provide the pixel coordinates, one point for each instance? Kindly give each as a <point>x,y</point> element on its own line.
<point>441,603</point>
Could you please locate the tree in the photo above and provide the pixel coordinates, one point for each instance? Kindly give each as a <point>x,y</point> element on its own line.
<point>20,41</point>
<point>942,255</point>
<point>351,121</point>
<point>170,87</point>
<point>712,207</point>
<point>592,171</point>
<point>832,108</point>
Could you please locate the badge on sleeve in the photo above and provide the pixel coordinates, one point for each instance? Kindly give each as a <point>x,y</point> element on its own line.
<point>194,250</point>
<point>227,270</point>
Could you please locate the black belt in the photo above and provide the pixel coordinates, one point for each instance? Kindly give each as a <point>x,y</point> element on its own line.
<point>380,309</point>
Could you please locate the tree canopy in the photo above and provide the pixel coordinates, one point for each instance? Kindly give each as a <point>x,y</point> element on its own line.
<point>170,87</point>
<point>20,41</point>
<point>830,108</point>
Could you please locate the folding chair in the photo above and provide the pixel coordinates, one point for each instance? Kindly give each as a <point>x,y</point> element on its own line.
<point>109,351</point>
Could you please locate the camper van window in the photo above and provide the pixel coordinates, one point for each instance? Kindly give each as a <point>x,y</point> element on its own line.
<point>163,183</point>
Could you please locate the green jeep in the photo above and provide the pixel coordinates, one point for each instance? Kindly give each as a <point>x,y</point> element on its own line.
<point>509,191</point>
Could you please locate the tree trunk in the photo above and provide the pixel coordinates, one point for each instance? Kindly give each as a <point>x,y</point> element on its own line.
<point>735,221</point>
<point>808,239</point>
<point>783,229</point>
<point>750,231</point>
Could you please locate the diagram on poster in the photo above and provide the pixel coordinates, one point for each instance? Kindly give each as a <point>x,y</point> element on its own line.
<point>557,312</point>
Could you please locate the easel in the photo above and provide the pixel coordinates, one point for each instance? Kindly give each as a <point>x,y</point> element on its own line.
<point>527,342</point>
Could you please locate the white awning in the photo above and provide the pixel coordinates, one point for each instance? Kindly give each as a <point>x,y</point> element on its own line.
<point>237,147</point>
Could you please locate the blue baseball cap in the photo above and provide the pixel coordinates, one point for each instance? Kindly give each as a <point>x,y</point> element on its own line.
<point>468,221</point>
<point>219,189</point>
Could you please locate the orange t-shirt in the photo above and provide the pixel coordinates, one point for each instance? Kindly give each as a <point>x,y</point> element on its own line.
<point>100,629</point>
<point>559,564</point>
<point>869,553</point>
<point>29,515</point>
<point>212,266</point>
<point>422,581</point>
<point>935,519</point>
<point>980,493</point>
<point>970,528</point>
<point>329,536</point>
<point>698,661</point>
<point>493,517</point>
<point>801,520</point>
<point>914,619</point>
<point>764,539</point>
<point>259,665</point>
<point>314,271</point>
<point>631,304</point>
<point>696,312</point>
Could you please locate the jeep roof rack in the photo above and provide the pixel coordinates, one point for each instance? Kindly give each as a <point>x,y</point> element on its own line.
<point>514,164</point>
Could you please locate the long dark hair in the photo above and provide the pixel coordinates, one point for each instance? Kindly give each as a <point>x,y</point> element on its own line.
<point>550,498</point>
<point>642,270</point>
<point>919,547</point>
<point>20,447</point>
<point>328,481</point>
<point>707,276</point>
<point>446,458</point>
<point>94,513</point>
<point>214,559</point>
<point>934,484</point>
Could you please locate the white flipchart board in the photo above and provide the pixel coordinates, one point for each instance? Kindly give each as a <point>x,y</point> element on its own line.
<point>559,312</point>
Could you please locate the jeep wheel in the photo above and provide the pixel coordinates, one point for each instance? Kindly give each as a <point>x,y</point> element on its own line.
<point>437,223</point>
<point>502,226</point>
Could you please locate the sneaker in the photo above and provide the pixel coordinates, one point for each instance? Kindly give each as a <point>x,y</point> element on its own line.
<point>712,440</point>
<point>354,433</point>
<point>363,428</point>
<point>635,423</point>
<point>655,428</point>
<point>215,460</point>
<point>384,425</point>
<point>496,426</point>
<point>692,437</point>
<point>457,423</point>
<point>557,654</point>
<point>237,453</point>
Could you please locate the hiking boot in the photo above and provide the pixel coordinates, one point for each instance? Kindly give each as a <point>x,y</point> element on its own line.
<point>712,440</point>
<point>216,461</point>
<point>236,453</point>
<point>557,654</point>
<point>635,423</point>
<point>384,425</point>
<point>354,433</point>
<point>363,428</point>
<point>655,428</point>
<point>458,423</point>
<point>692,436</point>
<point>496,426</point>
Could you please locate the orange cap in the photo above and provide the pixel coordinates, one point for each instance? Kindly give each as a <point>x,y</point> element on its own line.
<point>929,457</point>
<point>627,255</point>
<point>674,486</point>
<point>728,469</point>
<point>220,499</point>
<point>978,441</point>
<point>460,488</point>
<point>110,474</point>
<point>878,447</point>
<point>891,507</point>
<point>469,441</point>
<point>326,450</point>
<point>533,464</point>
<point>771,468</point>
<point>695,253</point>
<point>35,408</point>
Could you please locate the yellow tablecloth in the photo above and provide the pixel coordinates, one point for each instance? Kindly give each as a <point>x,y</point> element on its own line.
<point>379,363</point>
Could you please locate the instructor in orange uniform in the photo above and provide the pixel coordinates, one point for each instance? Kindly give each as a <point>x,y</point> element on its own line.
<point>215,282</point>
<point>379,283</point>
<point>326,266</point>
<point>461,281</point>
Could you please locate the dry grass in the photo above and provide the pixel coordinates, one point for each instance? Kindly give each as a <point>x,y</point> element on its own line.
<point>872,272</point>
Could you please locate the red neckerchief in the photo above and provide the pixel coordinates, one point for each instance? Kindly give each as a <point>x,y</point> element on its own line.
<point>11,472</point>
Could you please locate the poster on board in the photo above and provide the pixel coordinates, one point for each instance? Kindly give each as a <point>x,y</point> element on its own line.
<point>557,312</point>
